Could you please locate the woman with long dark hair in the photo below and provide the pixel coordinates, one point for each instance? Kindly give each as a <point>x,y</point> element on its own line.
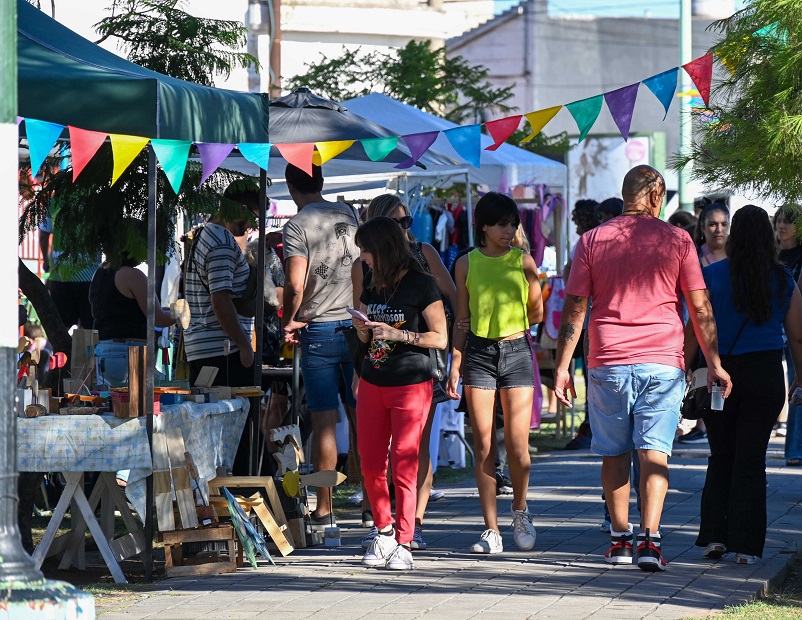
<point>753,297</point>
<point>406,320</point>
<point>712,229</point>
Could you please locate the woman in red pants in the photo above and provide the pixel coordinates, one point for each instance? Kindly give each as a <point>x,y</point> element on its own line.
<point>406,320</point>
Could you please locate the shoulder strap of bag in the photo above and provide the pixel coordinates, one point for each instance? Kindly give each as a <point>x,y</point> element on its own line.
<point>738,335</point>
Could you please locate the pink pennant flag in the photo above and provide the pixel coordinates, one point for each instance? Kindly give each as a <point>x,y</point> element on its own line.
<point>621,103</point>
<point>502,129</point>
<point>212,155</point>
<point>299,155</point>
<point>83,145</point>
<point>418,144</point>
<point>701,72</point>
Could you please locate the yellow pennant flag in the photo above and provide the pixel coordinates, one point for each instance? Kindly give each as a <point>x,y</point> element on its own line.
<point>538,120</point>
<point>328,150</point>
<point>124,150</point>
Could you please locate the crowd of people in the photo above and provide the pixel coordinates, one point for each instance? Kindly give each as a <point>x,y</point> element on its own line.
<point>375,313</point>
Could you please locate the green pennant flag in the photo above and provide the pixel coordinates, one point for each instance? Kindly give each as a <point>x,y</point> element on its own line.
<point>379,148</point>
<point>585,113</point>
<point>172,155</point>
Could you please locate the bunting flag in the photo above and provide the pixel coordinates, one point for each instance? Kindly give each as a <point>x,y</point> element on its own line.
<point>538,120</point>
<point>701,72</point>
<point>19,120</point>
<point>329,150</point>
<point>467,142</point>
<point>172,155</point>
<point>41,138</point>
<point>621,103</point>
<point>83,146</point>
<point>502,129</point>
<point>124,150</point>
<point>585,113</point>
<point>257,153</point>
<point>418,144</point>
<point>663,86</point>
<point>212,154</point>
<point>299,155</point>
<point>378,148</point>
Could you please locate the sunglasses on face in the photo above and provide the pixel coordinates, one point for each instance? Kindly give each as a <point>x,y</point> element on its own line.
<point>404,222</point>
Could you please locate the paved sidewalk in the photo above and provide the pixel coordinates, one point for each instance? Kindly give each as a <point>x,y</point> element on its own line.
<point>565,577</point>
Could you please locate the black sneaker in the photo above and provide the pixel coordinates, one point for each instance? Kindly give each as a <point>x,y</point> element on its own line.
<point>620,551</point>
<point>695,436</point>
<point>650,557</point>
<point>318,524</point>
<point>503,484</point>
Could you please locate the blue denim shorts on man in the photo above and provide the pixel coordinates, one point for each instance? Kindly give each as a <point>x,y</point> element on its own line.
<point>634,406</point>
<point>325,362</point>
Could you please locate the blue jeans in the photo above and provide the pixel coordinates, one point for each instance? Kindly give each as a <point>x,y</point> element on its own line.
<point>634,406</point>
<point>325,361</point>
<point>793,439</point>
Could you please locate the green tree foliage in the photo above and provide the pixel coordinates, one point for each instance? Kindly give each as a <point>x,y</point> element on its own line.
<point>554,147</point>
<point>160,35</point>
<point>416,74</point>
<point>752,139</point>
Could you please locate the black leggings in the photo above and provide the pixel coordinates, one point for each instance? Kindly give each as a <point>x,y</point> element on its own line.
<point>734,496</point>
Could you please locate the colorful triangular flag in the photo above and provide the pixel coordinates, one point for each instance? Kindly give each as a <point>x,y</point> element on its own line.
<point>621,103</point>
<point>212,155</point>
<point>663,86</point>
<point>701,72</point>
<point>378,148</point>
<point>256,152</point>
<point>418,144</point>
<point>124,150</point>
<point>585,113</point>
<point>41,138</point>
<point>329,150</point>
<point>83,146</point>
<point>467,142</point>
<point>538,120</point>
<point>299,155</point>
<point>502,129</point>
<point>172,155</point>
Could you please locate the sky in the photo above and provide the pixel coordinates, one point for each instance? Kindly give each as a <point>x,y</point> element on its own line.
<point>611,8</point>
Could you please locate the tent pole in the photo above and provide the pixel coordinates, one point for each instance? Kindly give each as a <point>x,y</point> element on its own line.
<point>150,355</point>
<point>255,413</point>
<point>469,207</point>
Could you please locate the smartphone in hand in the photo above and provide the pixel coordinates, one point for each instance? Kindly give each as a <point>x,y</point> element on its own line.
<point>358,315</point>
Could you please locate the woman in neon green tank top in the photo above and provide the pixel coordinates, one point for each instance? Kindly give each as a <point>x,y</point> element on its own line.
<point>498,288</point>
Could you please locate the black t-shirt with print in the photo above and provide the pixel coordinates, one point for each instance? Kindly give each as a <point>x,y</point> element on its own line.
<point>793,260</point>
<point>391,363</point>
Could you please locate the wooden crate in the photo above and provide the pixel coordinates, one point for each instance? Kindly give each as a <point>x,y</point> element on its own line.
<point>176,566</point>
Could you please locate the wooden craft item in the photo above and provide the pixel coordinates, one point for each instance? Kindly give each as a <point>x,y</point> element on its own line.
<point>22,344</point>
<point>179,312</point>
<point>291,432</point>
<point>137,357</point>
<point>161,484</point>
<point>293,481</point>
<point>287,459</point>
<point>35,410</point>
<point>183,489</point>
<point>248,391</point>
<point>206,513</point>
<point>72,410</point>
<point>83,353</point>
<point>176,566</point>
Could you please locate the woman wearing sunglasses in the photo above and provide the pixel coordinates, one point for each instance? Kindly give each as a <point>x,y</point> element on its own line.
<point>389,205</point>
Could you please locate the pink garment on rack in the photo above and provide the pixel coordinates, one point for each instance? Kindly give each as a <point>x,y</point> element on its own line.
<point>554,307</point>
<point>539,240</point>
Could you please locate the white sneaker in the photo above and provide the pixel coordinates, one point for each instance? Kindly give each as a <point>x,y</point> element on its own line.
<point>745,558</point>
<point>380,550</point>
<point>489,542</point>
<point>417,539</point>
<point>374,531</point>
<point>523,532</point>
<point>400,559</point>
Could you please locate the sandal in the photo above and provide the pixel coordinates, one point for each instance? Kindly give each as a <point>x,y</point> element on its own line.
<point>793,462</point>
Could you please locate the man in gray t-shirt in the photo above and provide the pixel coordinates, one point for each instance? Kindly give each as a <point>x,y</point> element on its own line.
<point>319,250</point>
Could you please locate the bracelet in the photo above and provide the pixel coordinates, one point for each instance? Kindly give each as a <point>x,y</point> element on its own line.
<point>406,336</point>
<point>417,339</point>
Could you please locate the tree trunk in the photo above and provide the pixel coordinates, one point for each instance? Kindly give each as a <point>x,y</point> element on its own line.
<point>34,290</point>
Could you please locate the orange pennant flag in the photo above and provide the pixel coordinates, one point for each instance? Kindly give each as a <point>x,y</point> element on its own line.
<point>124,149</point>
<point>538,120</point>
<point>299,155</point>
<point>83,145</point>
<point>502,129</point>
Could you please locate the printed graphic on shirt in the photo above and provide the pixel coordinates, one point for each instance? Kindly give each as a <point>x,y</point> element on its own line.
<point>341,230</point>
<point>380,350</point>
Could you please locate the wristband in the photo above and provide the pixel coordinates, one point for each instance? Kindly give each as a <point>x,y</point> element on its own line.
<point>417,339</point>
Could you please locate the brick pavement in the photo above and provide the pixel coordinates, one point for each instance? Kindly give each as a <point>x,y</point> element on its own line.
<point>564,578</point>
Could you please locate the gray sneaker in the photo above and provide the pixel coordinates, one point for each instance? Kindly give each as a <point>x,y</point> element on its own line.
<point>523,532</point>
<point>489,542</point>
<point>417,539</point>
<point>380,550</point>
<point>400,559</point>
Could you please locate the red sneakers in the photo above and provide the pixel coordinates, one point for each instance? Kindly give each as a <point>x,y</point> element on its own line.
<point>620,551</point>
<point>650,558</point>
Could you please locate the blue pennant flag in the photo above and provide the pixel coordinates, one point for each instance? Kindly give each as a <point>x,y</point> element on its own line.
<point>467,142</point>
<point>663,85</point>
<point>41,138</point>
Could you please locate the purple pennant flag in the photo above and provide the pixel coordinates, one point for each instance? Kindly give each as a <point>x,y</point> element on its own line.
<point>212,155</point>
<point>621,104</point>
<point>418,144</point>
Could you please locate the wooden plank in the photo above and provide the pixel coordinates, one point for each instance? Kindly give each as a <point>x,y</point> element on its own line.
<point>278,510</point>
<point>266,517</point>
<point>210,568</point>
<point>183,489</point>
<point>129,545</point>
<point>59,511</point>
<point>78,527</point>
<point>136,381</point>
<point>201,534</point>
<point>298,530</point>
<point>161,484</point>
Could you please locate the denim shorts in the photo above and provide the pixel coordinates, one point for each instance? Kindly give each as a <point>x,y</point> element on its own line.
<point>634,406</point>
<point>497,364</point>
<point>325,362</point>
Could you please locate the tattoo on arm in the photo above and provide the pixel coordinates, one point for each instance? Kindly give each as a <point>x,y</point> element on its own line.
<point>566,332</point>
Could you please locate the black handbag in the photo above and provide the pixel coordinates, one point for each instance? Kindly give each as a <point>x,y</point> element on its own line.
<point>696,403</point>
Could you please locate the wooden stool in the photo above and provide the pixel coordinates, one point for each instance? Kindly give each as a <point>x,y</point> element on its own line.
<point>176,566</point>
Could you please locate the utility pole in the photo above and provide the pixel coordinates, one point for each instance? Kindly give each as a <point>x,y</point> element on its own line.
<point>23,590</point>
<point>685,122</point>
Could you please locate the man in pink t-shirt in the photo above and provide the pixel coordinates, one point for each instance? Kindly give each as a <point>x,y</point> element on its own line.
<point>637,269</point>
